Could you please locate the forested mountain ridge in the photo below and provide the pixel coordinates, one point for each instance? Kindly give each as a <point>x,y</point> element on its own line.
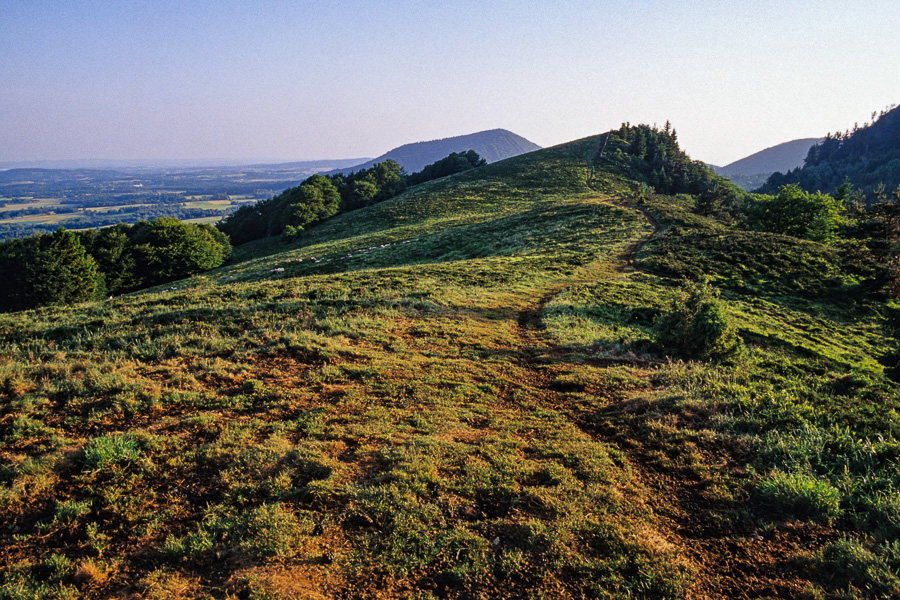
<point>321,197</point>
<point>491,145</point>
<point>868,157</point>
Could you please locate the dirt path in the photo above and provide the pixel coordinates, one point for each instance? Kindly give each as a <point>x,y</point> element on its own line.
<point>631,252</point>
<point>731,558</point>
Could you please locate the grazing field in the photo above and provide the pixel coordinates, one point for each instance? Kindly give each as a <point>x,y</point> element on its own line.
<point>27,202</point>
<point>458,393</point>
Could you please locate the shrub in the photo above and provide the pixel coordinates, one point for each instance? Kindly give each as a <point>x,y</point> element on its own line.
<point>167,249</point>
<point>795,212</point>
<point>697,325</point>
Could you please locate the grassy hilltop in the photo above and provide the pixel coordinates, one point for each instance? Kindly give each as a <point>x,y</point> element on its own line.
<point>458,393</point>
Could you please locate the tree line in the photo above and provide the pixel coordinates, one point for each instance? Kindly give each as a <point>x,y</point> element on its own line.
<point>76,266</point>
<point>66,266</point>
<point>862,218</point>
<point>320,197</point>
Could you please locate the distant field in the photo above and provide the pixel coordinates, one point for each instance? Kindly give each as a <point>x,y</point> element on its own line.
<point>204,220</point>
<point>209,204</point>
<point>49,213</point>
<point>107,209</point>
<point>71,214</point>
<point>121,196</point>
<point>26,203</point>
<point>38,219</point>
<point>125,217</point>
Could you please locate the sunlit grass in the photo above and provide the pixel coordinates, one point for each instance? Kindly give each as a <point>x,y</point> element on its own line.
<point>452,394</point>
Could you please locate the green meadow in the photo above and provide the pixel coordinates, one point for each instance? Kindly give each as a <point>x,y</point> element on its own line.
<point>459,393</point>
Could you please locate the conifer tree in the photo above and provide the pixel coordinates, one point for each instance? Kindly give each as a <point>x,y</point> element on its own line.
<point>63,272</point>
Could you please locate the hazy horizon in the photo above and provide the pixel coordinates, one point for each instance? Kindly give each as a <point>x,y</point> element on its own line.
<point>86,163</point>
<point>278,81</point>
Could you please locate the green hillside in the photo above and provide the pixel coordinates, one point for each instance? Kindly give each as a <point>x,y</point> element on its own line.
<point>460,393</point>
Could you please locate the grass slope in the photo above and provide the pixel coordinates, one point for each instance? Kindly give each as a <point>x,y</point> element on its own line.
<point>455,394</point>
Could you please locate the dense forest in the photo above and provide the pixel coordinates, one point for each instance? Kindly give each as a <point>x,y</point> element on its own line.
<point>67,266</point>
<point>868,157</point>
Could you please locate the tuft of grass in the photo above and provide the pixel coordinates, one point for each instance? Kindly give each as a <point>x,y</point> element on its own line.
<point>800,495</point>
<point>69,511</point>
<point>25,580</point>
<point>109,450</point>
<point>269,530</point>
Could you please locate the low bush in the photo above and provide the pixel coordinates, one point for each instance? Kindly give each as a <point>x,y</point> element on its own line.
<point>697,325</point>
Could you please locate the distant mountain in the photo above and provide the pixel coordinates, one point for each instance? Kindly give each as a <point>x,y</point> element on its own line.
<point>868,157</point>
<point>492,146</point>
<point>751,172</point>
<point>782,157</point>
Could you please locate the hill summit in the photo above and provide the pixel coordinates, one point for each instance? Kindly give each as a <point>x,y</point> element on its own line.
<point>492,145</point>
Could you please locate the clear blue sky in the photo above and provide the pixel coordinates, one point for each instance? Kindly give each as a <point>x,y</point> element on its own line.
<point>316,79</point>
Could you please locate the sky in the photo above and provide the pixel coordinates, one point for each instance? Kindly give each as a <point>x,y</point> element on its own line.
<point>304,80</point>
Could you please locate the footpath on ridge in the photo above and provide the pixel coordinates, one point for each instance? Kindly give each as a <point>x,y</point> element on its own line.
<point>726,562</point>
